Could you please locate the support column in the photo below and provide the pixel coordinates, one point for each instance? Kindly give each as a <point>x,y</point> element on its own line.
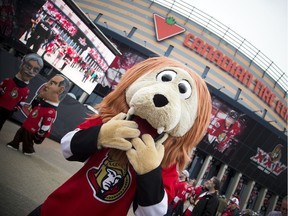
<point>246,194</point>
<point>222,171</point>
<point>233,185</point>
<point>272,202</point>
<point>83,97</point>
<point>203,169</point>
<point>260,199</point>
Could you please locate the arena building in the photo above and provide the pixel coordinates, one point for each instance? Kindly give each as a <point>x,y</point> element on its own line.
<point>246,142</point>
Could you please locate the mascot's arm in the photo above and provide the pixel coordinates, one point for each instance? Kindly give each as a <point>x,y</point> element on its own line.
<point>146,157</point>
<point>150,184</point>
<point>80,144</point>
<point>151,198</point>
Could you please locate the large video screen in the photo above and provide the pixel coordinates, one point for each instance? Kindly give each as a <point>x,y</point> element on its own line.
<point>57,34</point>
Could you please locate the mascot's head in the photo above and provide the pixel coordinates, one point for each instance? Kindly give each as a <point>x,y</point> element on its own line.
<point>163,96</point>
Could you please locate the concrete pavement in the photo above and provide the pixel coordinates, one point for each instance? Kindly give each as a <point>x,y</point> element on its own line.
<point>26,181</point>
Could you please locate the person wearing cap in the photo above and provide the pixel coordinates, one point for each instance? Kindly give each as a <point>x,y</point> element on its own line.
<point>39,122</point>
<point>14,91</point>
<point>233,208</point>
<point>182,189</point>
<point>222,205</point>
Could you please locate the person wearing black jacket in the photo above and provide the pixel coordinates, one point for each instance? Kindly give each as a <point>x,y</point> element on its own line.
<point>207,203</point>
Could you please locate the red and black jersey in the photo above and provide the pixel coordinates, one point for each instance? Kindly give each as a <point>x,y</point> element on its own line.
<point>41,118</point>
<point>15,92</point>
<point>181,192</point>
<point>103,186</point>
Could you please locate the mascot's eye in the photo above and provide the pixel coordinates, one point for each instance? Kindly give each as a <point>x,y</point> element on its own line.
<point>185,89</point>
<point>166,76</point>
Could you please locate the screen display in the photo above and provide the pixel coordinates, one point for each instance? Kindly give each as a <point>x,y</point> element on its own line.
<point>242,143</point>
<point>57,34</point>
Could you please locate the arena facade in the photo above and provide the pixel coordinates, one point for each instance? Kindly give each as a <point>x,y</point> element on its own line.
<point>246,142</point>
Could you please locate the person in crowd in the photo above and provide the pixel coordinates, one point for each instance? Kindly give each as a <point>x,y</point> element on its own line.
<point>49,49</point>
<point>233,208</point>
<point>67,58</point>
<point>39,35</point>
<point>283,208</point>
<point>192,197</point>
<point>76,59</point>
<point>247,212</point>
<point>177,204</point>
<point>207,203</point>
<point>93,76</point>
<point>83,65</point>
<point>34,21</point>
<point>38,124</point>
<point>191,190</point>
<point>222,204</point>
<point>62,46</point>
<point>86,75</point>
<point>14,91</point>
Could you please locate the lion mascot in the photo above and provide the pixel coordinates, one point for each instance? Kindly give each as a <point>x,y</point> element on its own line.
<point>145,131</point>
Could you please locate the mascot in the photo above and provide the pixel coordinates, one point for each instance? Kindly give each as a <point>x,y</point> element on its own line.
<point>143,134</point>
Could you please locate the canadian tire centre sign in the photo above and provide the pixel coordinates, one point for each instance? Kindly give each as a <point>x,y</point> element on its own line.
<point>237,71</point>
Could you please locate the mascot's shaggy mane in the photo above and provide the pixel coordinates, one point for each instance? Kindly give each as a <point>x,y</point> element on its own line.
<point>177,149</point>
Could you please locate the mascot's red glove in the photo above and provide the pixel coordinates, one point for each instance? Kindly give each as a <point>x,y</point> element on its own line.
<point>116,133</point>
<point>146,155</point>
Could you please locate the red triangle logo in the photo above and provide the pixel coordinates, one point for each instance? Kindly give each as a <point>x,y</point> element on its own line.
<point>165,30</point>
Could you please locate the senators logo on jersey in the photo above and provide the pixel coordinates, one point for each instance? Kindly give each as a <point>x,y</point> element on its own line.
<point>14,93</point>
<point>109,181</point>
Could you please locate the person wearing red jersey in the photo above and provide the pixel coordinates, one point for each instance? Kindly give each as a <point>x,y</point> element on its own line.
<point>68,57</point>
<point>181,187</point>
<point>38,124</point>
<point>221,131</point>
<point>14,91</point>
<point>193,196</point>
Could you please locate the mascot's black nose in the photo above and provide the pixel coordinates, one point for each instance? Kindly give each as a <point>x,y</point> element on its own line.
<point>160,100</point>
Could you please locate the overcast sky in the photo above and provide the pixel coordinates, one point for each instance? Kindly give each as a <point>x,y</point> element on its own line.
<point>263,23</point>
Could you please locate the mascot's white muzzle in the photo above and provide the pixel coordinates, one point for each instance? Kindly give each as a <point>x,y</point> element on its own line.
<point>159,108</point>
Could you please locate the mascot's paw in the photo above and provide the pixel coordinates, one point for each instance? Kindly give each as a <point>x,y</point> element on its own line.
<point>146,155</point>
<point>116,132</point>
